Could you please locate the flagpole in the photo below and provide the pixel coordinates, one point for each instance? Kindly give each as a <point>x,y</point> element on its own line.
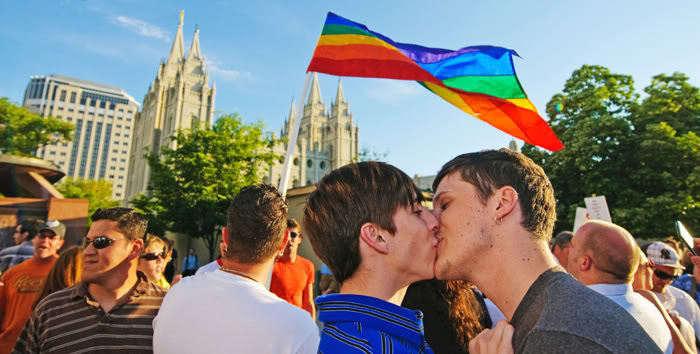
<point>291,145</point>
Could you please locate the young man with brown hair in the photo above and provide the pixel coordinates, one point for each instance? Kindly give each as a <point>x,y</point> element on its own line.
<point>293,275</point>
<point>23,249</point>
<point>230,310</point>
<point>367,223</point>
<point>496,210</point>
<point>112,307</point>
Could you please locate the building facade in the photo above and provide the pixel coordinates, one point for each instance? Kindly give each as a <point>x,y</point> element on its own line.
<point>327,139</point>
<point>178,98</point>
<point>103,117</point>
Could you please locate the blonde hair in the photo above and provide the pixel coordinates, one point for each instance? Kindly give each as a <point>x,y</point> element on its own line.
<point>65,272</point>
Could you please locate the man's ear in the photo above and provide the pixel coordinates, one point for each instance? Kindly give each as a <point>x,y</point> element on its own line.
<point>372,236</point>
<point>137,246</point>
<point>586,264</point>
<point>507,199</point>
<point>224,236</point>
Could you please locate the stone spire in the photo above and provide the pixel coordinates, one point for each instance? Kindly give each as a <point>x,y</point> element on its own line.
<point>292,113</point>
<point>340,96</point>
<point>315,93</point>
<point>194,49</point>
<point>177,52</point>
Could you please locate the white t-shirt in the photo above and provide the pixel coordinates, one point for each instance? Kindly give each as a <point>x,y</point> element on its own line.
<point>642,310</point>
<point>675,299</point>
<point>218,312</point>
<point>209,267</point>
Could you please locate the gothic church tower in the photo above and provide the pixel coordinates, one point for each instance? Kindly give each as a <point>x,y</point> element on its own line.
<point>327,139</point>
<point>178,98</point>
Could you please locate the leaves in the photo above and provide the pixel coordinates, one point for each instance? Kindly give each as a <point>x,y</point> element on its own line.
<point>22,132</point>
<point>98,193</point>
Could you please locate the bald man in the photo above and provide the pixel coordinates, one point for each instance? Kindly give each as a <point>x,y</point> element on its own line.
<point>605,257</point>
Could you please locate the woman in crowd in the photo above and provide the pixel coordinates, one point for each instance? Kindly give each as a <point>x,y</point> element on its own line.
<point>64,273</point>
<point>153,259</point>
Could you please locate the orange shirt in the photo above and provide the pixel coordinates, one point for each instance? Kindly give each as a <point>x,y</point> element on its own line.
<point>21,285</point>
<point>290,279</point>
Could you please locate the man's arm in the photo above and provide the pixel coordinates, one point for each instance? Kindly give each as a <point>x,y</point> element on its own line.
<point>308,300</point>
<point>28,341</point>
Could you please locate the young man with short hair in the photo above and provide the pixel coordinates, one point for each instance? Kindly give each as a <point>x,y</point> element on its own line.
<point>113,306</point>
<point>23,249</point>
<point>367,223</point>
<point>230,310</point>
<point>293,275</point>
<point>496,210</point>
<point>23,282</point>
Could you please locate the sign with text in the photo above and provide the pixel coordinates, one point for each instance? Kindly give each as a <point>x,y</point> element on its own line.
<point>598,208</point>
<point>581,217</point>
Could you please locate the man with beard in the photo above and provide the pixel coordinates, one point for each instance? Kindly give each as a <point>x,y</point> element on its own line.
<point>293,275</point>
<point>22,283</point>
<point>496,211</point>
<point>113,306</point>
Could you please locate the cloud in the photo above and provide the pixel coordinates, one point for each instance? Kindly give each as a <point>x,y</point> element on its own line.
<point>143,28</point>
<point>219,70</point>
<point>394,91</point>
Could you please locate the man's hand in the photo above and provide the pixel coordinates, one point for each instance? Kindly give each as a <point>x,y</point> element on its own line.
<point>493,341</point>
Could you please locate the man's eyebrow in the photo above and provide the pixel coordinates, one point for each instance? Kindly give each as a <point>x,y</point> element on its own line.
<point>437,198</point>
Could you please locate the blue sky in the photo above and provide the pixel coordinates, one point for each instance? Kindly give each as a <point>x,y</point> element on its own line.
<point>258,52</point>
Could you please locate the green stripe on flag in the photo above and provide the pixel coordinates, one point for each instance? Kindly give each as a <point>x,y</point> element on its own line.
<point>505,87</point>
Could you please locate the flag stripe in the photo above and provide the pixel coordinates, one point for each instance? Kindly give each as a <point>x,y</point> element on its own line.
<point>497,86</point>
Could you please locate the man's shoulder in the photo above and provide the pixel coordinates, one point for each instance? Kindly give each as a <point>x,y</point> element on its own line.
<point>18,269</point>
<point>10,251</point>
<point>305,262</point>
<point>55,299</point>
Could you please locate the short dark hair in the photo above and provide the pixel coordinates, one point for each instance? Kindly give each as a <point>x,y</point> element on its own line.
<point>129,222</point>
<point>490,169</point>
<point>292,224</point>
<point>257,219</point>
<point>562,239</point>
<point>345,199</point>
<point>30,226</point>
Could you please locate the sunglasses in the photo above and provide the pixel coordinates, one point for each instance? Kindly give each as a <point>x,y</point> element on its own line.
<point>293,234</point>
<point>665,276</point>
<point>153,256</point>
<point>100,242</point>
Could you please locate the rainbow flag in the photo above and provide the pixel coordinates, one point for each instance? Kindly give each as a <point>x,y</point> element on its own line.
<point>479,80</point>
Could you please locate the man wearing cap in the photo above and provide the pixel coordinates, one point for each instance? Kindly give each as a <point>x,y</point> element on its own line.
<point>560,247</point>
<point>668,268</point>
<point>22,283</point>
<point>23,249</point>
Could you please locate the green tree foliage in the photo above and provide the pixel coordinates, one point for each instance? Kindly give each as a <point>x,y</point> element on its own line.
<point>192,184</point>
<point>22,132</point>
<point>98,193</point>
<point>370,154</point>
<point>150,208</point>
<point>643,157</point>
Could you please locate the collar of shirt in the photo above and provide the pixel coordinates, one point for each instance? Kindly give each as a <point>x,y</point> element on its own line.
<point>377,313</point>
<point>611,289</point>
<point>81,290</point>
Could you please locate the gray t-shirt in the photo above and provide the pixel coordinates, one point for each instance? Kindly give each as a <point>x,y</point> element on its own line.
<point>560,315</point>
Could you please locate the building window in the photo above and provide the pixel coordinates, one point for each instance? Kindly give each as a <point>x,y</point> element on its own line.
<point>121,177</point>
<point>119,194</point>
<point>308,182</point>
<point>72,97</point>
<point>309,163</point>
<point>124,152</point>
<point>296,161</point>
<point>63,96</point>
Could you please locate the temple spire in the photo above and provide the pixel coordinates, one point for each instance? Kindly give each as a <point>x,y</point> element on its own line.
<point>177,52</point>
<point>194,49</point>
<point>315,93</point>
<point>340,96</point>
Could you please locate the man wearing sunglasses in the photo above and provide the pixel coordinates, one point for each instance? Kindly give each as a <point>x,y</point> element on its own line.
<point>667,269</point>
<point>605,257</point>
<point>293,275</point>
<point>113,306</point>
<point>22,283</point>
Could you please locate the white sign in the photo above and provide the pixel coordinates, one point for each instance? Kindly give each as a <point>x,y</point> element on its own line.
<point>581,218</point>
<point>598,208</point>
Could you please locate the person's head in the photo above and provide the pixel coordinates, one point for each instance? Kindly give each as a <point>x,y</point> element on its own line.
<point>644,277</point>
<point>294,234</point>
<point>113,244</point>
<point>666,265</point>
<point>369,214</point>
<point>673,242</point>
<point>481,199</point>
<point>255,230</point>
<point>65,272</point>
<point>153,257</point>
<point>603,253</point>
<point>49,239</point>
<point>560,247</point>
<point>26,230</point>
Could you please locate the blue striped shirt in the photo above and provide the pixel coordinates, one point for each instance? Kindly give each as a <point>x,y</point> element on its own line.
<point>12,256</point>
<point>363,324</point>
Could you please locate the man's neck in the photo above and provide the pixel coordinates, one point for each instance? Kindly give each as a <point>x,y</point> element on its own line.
<point>505,277</point>
<point>257,272</point>
<point>291,258</point>
<point>114,289</point>
<point>48,259</point>
<point>380,285</point>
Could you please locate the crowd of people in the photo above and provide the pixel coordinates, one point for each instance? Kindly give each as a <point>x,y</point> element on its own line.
<point>479,273</point>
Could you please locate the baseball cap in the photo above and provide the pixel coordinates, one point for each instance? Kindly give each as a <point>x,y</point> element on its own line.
<point>56,226</point>
<point>662,254</point>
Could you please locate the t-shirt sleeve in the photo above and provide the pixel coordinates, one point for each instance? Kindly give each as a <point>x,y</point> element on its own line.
<point>310,344</point>
<point>311,273</point>
<point>550,342</point>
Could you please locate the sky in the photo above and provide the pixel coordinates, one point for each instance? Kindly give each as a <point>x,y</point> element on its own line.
<point>258,51</point>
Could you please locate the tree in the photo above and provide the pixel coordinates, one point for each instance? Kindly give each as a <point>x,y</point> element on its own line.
<point>192,183</point>
<point>98,193</point>
<point>152,210</point>
<point>621,149</point>
<point>22,132</point>
<point>369,154</point>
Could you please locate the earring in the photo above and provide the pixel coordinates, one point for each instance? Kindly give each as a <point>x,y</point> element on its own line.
<point>498,221</point>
